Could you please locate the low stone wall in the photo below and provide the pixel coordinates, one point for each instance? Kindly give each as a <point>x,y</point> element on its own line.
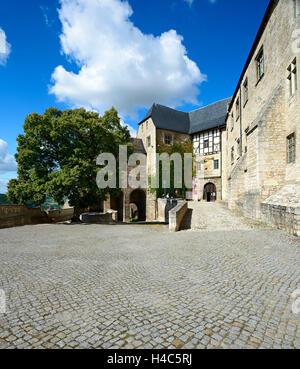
<point>282,217</point>
<point>60,215</point>
<point>176,216</point>
<point>282,209</point>
<point>163,208</point>
<point>19,215</point>
<point>111,216</point>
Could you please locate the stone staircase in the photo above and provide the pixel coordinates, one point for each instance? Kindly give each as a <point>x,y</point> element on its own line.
<point>213,216</point>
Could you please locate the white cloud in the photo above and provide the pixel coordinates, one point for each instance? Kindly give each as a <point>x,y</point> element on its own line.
<point>118,64</point>
<point>3,185</point>
<point>132,131</point>
<point>5,48</point>
<point>7,162</point>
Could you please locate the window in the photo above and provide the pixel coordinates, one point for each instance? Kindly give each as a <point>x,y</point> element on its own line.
<point>296,8</point>
<point>149,141</point>
<point>147,125</point>
<point>198,166</point>
<point>168,140</point>
<point>238,146</point>
<point>216,164</point>
<point>292,78</point>
<point>232,121</point>
<point>232,155</point>
<point>237,108</point>
<point>245,88</point>
<point>291,148</point>
<point>206,144</point>
<point>260,65</point>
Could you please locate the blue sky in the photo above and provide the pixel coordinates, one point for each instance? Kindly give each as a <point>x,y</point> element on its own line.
<point>101,53</point>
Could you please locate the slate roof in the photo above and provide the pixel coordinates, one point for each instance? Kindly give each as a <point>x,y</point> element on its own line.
<point>168,118</point>
<point>210,116</point>
<point>203,119</point>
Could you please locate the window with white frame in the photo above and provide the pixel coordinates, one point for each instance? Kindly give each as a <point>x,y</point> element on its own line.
<point>292,78</point>
<point>260,67</point>
<point>207,143</point>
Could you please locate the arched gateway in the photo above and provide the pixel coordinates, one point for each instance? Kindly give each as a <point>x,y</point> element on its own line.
<point>138,197</point>
<point>210,192</point>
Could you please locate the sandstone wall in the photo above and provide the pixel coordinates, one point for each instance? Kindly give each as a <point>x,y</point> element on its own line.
<point>259,130</point>
<point>18,215</point>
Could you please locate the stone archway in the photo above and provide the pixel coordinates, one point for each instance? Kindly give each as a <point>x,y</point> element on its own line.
<point>117,203</point>
<point>210,192</point>
<point>138,197</point>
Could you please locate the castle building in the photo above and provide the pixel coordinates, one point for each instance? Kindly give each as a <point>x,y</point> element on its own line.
<point>205,128</point>
<point>247,148</point>
<point>261,159</point>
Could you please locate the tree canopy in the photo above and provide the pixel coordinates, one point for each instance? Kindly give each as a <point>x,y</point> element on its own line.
<point>57,154</point>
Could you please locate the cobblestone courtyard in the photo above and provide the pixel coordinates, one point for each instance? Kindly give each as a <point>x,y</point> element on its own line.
<point>226,285</point>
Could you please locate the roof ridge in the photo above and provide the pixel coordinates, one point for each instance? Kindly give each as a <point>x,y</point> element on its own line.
<point>206,106</point>
<point>168,107</point>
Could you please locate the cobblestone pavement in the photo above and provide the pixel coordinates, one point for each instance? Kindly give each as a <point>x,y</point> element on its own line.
<point>136,286</point>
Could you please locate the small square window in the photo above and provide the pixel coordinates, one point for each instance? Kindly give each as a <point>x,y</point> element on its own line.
<point>168,140</point>
<point>291,148</point>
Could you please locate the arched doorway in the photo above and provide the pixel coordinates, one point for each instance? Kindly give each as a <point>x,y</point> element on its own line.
<point>138,197</point>
<point>116,203</point>
<point>210,192</point>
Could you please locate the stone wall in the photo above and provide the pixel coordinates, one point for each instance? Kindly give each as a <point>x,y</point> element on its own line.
<point>176,216</point>
<point>100,218</point>
<point>282,209</point>
<point>18,215</point>
<point>259,129</point>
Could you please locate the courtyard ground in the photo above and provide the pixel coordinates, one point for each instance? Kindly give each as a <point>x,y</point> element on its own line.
<point>227,283</point>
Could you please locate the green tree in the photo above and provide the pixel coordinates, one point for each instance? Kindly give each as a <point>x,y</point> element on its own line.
<point>57,154</point>
<point>180,147</point>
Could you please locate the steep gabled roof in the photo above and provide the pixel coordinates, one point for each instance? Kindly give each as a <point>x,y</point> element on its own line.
<point>209,117</point>
<point>168,118</point>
